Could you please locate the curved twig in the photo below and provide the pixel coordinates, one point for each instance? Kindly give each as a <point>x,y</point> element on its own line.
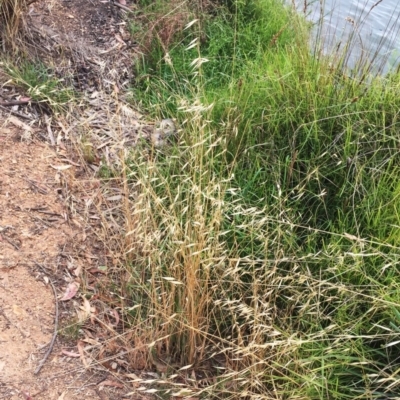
<point>53,339</point>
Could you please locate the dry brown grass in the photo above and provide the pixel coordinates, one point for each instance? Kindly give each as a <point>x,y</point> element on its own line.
<point>218,296</point>
<point>11,12</point>
<point>164,26</point>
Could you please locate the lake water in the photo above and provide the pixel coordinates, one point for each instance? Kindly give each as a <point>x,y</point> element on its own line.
<point>373,25</point>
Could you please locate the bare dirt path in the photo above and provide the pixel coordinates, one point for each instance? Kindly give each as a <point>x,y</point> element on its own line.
<point>34,229</point>
<point>45,237</point>
<point>62,222</point>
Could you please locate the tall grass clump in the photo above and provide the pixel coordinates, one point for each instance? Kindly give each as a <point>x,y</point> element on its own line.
<point>10,19</point>
<point>264,241</point>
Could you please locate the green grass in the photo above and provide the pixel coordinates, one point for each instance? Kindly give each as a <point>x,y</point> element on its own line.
<point>40,83</point>
<point>269,234</point>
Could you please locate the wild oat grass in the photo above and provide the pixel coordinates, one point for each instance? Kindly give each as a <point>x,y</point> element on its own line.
<point>264,243</point>
<point>10,18</point>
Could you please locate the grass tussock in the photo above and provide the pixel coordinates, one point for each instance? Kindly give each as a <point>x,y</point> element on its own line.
<point>264,242</point>
<point>40,83</point>
<point>10,20</point>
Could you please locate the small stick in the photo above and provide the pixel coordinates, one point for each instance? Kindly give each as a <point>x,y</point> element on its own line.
<point>41,190</point>
<point>122,6</point>
<point>16,113</point>
<point>49,131</point>
<point>53,339</point>
<point>16,247</point>
<point>14,103</point>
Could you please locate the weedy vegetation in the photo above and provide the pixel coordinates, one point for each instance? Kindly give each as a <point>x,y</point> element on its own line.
<point>264,242</point>
<point>40,83</point>
<point>20,67</point>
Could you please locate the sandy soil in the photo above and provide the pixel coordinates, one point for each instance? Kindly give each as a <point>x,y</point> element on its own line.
<point>34,230</point>
<point>46,241</point>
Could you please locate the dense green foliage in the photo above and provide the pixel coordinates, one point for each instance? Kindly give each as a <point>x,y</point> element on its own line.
<point>285,195</point>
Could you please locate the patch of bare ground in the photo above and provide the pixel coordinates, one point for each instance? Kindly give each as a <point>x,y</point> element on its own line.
<point>35,230</point>
<point>60,224</point>
<point>86,43</point>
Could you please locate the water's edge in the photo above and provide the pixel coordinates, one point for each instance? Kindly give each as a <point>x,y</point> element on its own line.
<point>373,28</point>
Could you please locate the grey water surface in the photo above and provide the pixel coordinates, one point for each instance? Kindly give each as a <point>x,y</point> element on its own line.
<point>372,25</point>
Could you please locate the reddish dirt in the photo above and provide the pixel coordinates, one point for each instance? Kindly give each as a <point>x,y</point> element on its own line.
<point>34,228</point>
<point>50,226</point>
<point>43,242</point>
